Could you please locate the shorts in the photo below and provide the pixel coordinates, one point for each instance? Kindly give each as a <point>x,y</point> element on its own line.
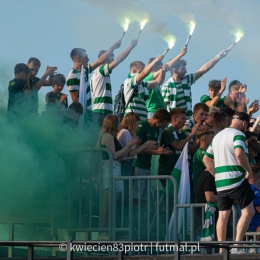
<point>242,195</point>
<point>105,180</point>
<point>140,186</point>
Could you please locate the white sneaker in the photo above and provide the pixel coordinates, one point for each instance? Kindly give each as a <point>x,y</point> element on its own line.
<point>237,251</point>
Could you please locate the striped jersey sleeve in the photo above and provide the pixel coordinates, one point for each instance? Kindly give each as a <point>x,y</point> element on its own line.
<point>210,152</point>
<point>190,79</point>
<point>105,70</point>
<point>239,142</point>
<point>166,92</point>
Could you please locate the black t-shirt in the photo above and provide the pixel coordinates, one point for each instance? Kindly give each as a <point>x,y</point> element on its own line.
<point>206,182</point>
<point>52,94</point>
<point>17,97</point>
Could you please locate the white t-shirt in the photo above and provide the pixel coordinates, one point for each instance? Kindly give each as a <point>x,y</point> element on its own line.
<point>123,137</point>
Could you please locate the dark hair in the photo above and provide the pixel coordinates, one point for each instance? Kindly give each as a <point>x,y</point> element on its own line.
<point>214,84</point>
<point>77,52</point>
<point>162,114</point>
<point>219,117</point>
<point>101,52</point>
<point>76,107</point>
<point>199,106</point>
<point>21,67</point>
<point>59,79</point>
<point>137,64</point>
<point>35,61</point>
<point>254,145</point>
<point>178,64</point>
<point>229,111</point>
<point>255,168</point>
<point>150,60</point>
<point>234,83</point>
<point>177,111</point>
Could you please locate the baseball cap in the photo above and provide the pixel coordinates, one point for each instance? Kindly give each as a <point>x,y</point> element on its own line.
<point>242,116</point>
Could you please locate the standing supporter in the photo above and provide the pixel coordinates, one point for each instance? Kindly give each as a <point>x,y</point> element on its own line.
<point>36,83</point>
<point>148,130</point>
<point>205,136</point>
<point>216,89</point>
<point>254,181</point>
<point>177,90</point>
<point>209,120</point>
<point>58,85</point>
<point>200,114</point>
<point>174,138</point>
<point>136,89</point>
<point>129,126</point>
<point>220,121</point>
<point>226,159</point>
<point>79,58</point>
<point>19,92</point>
<point>101,84</point>
<point>110,128</point>
<point>155,100</point>
<point>236,98</point>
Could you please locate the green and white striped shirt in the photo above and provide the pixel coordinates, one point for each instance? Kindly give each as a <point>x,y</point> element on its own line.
<point>101,90</point>
<point>73,82</point>
<point>178,94</point>
<point>228,172</point>
<point>138,104</point>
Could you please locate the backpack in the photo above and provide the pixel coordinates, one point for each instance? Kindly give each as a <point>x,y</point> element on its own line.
<point>119,101</point>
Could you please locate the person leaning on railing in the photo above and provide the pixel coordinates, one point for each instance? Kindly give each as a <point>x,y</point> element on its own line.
<point>110,128</point>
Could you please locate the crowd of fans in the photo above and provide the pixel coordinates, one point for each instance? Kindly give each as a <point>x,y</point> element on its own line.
<point>156,118</point>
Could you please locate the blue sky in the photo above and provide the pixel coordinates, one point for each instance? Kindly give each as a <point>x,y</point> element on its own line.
<point>50,29</point>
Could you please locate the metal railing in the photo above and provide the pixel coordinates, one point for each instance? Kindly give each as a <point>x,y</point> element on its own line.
<point>150,214</point>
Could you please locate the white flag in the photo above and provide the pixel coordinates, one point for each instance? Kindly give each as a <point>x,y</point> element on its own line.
<point>181,174</point>
<point>82,95</point>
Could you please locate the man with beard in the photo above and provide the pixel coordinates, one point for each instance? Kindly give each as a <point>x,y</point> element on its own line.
<point>177,90</point>
<point>226,159</point>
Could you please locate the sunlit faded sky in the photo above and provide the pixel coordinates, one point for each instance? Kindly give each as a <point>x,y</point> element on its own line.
<point>50,29</point>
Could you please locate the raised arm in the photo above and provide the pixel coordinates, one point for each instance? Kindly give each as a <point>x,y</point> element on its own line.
<point>101,60</point>
<point>160,78</point>
<point>172,61</point>
<point>209,65</point>
<point>255,124</point>
<point>179,145</point>
<point>43,81</point>
<point>147,69</point>
<point>215,100</point>
<point>121,57</point>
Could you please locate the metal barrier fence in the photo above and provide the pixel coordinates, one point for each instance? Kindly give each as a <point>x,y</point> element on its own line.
<point>131,219</point>
<point>147,218</point>
<point>70,247</point>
